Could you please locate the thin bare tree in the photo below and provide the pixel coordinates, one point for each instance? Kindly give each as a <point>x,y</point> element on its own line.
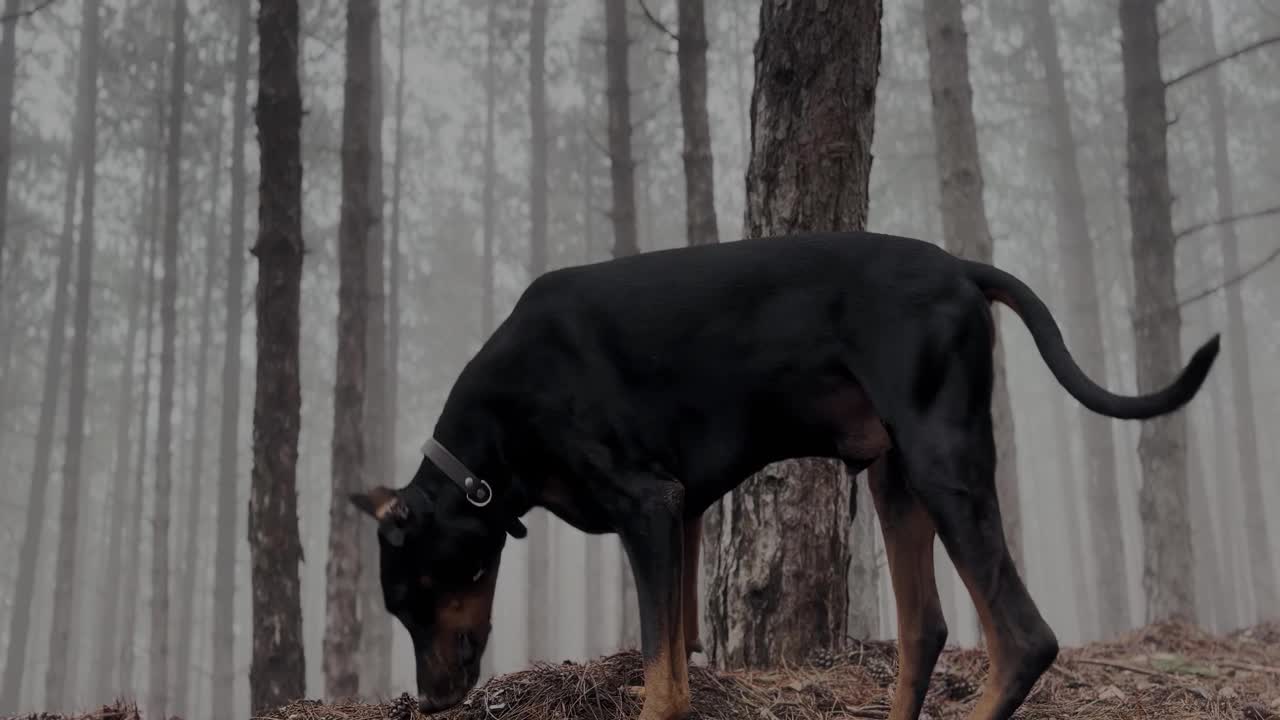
<point>224,584</point>
<point>342,570</point>
<point>1262,574</point>
<point>622,172</point>
<point>538,561</point>
<point>159,660</point>
<point>195,495</point>
<point>1084,328</point>
<point>375,631</point>
<point>964,217</point>
<point>20,615</point>
<point>1162,498</point>
<point>60,658</point>
<point>277,673</point>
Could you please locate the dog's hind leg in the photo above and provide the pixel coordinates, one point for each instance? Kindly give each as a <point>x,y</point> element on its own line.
<point>692,550</point>
<point>908,538</point>
<point>952,467</point>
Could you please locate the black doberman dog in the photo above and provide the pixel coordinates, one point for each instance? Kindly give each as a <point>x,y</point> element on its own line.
<point>627,396</point>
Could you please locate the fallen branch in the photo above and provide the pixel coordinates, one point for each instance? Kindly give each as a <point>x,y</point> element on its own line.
<point>1119,666</point>
<point>1250,667</point>
<point>1193,229</point>
<point>1187,75</point>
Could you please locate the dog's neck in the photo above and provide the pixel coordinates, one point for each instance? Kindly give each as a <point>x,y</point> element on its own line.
<point>480,442</point>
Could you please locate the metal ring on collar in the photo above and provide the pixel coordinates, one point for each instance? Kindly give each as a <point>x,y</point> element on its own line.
<point>485,491</point>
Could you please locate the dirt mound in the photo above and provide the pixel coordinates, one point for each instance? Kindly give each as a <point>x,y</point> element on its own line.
<point>1171,671</point>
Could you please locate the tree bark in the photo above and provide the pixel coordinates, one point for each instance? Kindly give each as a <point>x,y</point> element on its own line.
<point>8,74</point>
<point>224,583</point>
<point>622,168</point>
<point>159,656</point>
<point>277,673</point>
<point>375,631</point>
<point>1262,575</point>
<point>777,547</point>
<point>195,495</point>
<point>342,627</point>
<point>487,319</point>
<point>60,658</point>
<point>1084,330</point>
<point>538,621</point>
<point>1162,499</point>
<point>699,175</point>
<point>964,219</point>
<point>20,616</point>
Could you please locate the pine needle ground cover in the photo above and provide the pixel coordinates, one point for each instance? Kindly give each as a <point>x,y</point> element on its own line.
<point>1169,671</point>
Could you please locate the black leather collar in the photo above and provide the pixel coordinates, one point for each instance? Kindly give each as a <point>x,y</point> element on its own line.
<point>477,490</point>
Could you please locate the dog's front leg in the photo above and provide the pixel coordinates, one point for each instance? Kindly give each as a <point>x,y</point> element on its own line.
<point>653,538</point>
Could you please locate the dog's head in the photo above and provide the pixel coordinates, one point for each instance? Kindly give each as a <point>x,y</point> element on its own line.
<point>438,563</point>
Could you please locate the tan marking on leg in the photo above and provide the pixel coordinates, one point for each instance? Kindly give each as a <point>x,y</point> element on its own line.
<point>692,551</point>
<point>666,682</point>
<point>908,537</point>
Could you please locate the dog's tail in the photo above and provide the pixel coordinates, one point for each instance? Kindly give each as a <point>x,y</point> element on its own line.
<point>1000,286</point>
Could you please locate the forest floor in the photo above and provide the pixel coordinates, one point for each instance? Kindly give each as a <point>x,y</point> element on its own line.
<point>1167,670</point>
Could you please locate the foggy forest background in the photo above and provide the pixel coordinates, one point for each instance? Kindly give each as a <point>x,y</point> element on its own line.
<point>89,373</point>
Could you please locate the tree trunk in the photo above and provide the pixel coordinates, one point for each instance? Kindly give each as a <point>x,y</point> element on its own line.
<point>778,546</point>
<point>375,638</point>
<point>60,658</point>
<point>134,575</point>
<point>964,219</point>
<point>191,559</point>
<point>224,583</point>
<point>277,673</point>
<point>1255,520</point>
<point>487,319</point>
<point>1084,331</point>
<point>115,574</point>
<point>393,289</point>
<point>20,616</point>
<point>593,556</point>
<point>159,657</point>
<point>342,629</point>
<point>1162,499</point>
<point>622,168</point>
<point>8,74</point>
<point>625,231</point>
<point>539,616</point>
<point>699,176</point>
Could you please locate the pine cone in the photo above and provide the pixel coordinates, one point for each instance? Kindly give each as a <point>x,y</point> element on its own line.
<point>822,658</point>
<point>402,707</point>
<point>953,687</point>
<point>879,671</point>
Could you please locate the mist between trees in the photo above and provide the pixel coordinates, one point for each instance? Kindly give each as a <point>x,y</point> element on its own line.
<point>450,152</point>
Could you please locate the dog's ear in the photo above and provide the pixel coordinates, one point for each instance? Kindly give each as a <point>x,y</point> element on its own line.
<point>380,503</point>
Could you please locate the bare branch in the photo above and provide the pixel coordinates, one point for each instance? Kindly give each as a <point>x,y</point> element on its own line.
<point>28,12</point>
<point>653,20</point>
<point>1270,258</point>
<point>1186,75</point>
<point>1230,219</point>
